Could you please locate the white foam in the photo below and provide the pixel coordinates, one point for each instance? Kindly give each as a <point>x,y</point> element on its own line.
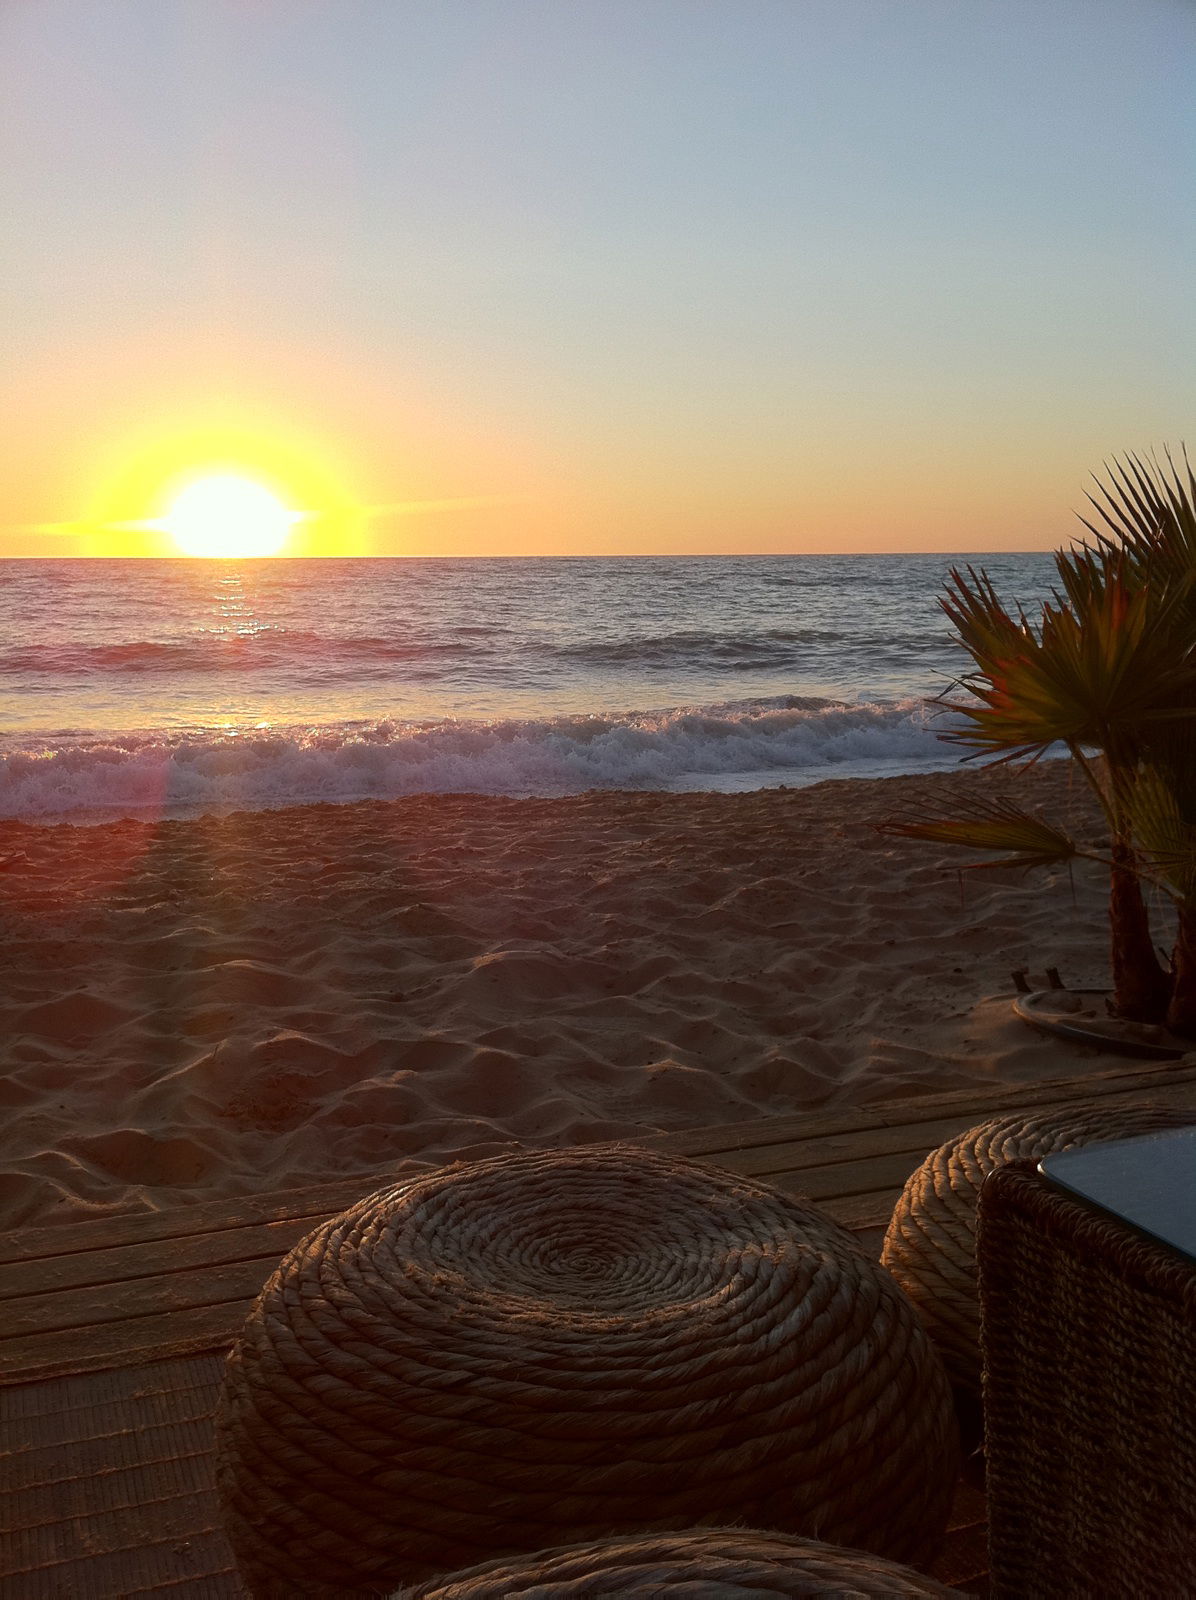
<point>688,747</point>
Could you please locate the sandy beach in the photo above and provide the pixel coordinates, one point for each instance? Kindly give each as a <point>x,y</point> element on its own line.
<point>262,1000</point>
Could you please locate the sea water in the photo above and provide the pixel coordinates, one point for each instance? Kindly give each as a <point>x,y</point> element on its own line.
<point>130,688</point>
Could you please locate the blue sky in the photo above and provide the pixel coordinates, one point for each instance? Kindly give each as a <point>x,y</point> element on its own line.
<point>671,275</point>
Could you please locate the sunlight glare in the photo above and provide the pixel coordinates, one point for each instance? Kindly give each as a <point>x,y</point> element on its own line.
<point>225,516</point>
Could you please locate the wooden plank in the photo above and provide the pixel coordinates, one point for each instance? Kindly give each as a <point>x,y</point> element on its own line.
<point>273,1239</point>
<point>117,1302</point>
<point>870,1241</point>
<point>915,1138</point>
<point>207,1216</point>
<point>849,1178</point>
<point>122,1289</point>
<point>981,1098</point>
<point>36,1445</point>
<point>117,1289</point>
<point>761,1130</point>
<point>181,1281</point>
<point>129,1262</point>
<point>201,1329</point>
<point>863,1214</point>
<point>133,1342</point>
<point>325,1199</point>
<point>836,1182</point>
<point>1151,1081</point>
<point>859,1212</point>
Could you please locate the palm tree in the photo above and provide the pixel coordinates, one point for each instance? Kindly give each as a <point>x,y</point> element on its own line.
<point>1164,821</point>
<point>1109,672</point>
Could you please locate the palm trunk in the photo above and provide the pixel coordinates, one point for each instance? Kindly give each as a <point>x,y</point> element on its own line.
<point>1181,1013</point>
<point>1141,987</point>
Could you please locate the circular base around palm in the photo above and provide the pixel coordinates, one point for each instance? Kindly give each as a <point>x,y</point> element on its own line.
<point>546,1348</point>
<point>1081,1016</point>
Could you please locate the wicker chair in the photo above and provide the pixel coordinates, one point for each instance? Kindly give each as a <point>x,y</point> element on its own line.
<point>710,1561</point>
<point>547,1348</point>
<point>930,1246</point>
<point>1089,1344</point>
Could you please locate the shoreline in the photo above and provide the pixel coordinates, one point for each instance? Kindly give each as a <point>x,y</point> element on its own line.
<point>263,999</point>
<point>727,783</point>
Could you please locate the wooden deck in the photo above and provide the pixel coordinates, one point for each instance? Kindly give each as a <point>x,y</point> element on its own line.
<point>112,1337</point>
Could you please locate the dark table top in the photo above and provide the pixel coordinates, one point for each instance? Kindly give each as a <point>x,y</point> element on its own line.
<point>1148,1182</point>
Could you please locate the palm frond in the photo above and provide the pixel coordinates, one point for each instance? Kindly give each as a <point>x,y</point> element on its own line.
<point>1098,666</point>
<point>1163,807</point>
<point>992,825</point>
<point>1165,837</point>
<point>1147,514</point>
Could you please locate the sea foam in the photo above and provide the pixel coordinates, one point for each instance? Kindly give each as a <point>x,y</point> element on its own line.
<point>736,744</point>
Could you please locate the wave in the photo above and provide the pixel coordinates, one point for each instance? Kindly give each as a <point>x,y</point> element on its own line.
<point>229,651</point>
<point>783,740</point>
<point>767,647</point>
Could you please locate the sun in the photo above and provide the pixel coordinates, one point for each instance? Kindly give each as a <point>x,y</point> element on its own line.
<point>229,517</point>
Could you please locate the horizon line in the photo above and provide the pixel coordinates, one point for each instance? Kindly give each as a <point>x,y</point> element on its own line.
<point>642,555</point>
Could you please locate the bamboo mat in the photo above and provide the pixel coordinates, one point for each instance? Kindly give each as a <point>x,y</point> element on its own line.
<point>108,1493</point>
<point>106,1486</point>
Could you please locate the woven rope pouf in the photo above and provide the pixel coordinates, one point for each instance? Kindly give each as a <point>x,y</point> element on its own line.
<point>930,1246</point>
<point>546,1348</point>
<point>709,1561</point>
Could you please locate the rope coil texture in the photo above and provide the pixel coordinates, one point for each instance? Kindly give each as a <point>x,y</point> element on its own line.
<point>557,1346</point>
<point>1089,1378</point>
<point>716,1561</point>
<point>930,1246</point>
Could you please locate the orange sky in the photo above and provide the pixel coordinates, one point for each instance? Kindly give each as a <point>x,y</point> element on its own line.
<point>507,279</point>
<point>381,471</point>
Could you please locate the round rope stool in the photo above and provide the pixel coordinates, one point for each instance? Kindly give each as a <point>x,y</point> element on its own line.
<point>930,1246</point>
<point>551,1347</point>
<point>708,1561</point>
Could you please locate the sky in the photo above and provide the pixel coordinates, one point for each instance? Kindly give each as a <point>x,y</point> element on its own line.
<point>519,277</point>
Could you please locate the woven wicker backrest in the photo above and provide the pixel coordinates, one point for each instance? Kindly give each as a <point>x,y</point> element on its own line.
<point>710,1561</point>
<point>558,1346</point>
<point>1089,1344</point>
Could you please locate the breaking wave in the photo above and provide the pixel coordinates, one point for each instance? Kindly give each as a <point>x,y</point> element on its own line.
<point>771,741</point>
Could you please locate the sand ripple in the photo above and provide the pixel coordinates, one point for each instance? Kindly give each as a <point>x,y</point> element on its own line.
<point>267,999</point>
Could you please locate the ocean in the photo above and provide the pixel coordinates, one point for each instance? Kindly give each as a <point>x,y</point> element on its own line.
<point>142,688</point>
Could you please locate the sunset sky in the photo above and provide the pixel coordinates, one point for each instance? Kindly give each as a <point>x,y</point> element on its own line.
<point>472,277</point>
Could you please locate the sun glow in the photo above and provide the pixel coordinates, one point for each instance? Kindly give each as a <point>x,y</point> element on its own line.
<point>229,517</point>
